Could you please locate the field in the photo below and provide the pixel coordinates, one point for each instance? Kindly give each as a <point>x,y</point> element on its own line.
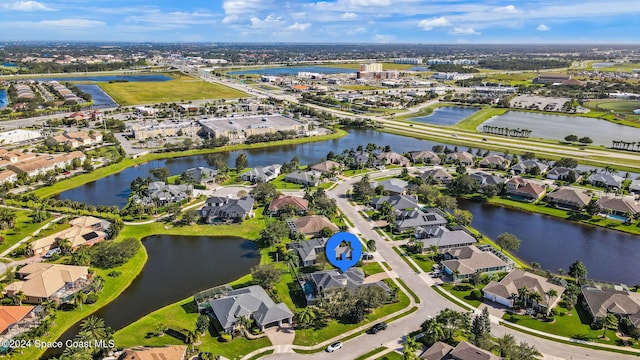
<point>179,89</point>
<point>624,106</point>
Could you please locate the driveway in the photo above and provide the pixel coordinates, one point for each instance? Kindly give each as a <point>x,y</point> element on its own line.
<point>281,337</point>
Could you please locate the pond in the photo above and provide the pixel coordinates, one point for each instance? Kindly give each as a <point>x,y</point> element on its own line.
<point>556,127</point>
<point>447,115</point>
<point>554,243</point>
<point>177,267</point>
<point>294,70</point>
<point>118,184</point>
<point>4,100</point>
<point>107,78</point>
<point>100,99</point>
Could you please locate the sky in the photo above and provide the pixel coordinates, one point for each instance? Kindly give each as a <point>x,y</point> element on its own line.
<point>328,21</point>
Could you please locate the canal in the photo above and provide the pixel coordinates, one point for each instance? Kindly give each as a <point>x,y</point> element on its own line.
<point>554,243</point>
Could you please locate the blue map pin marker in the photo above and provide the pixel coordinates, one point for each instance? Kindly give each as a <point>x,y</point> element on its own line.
<point>343,250</point>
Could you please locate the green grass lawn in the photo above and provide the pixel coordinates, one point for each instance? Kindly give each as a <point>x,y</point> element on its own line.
<point>391,356</point>
<point>424,262</point>
<point>177,317</point>
<point>463,294</point>
<point>371,353</point>
<point>179,89</point>
<point>23,228</point>
<point>626,106</point>
<point>575,326</point>
<point>475,120</point>
<point>371,268</point>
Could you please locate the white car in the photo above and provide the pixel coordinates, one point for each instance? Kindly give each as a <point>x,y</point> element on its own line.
<point>335,346</point>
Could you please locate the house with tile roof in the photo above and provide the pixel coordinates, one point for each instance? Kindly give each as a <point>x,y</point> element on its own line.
<point>460,157</point>
<point>281,202</point>
<point>426,157</point>
<point>460,263</point>
<point>84,231</point>
<point>620,206</point>
<point>569,198</point>
<point>311,225</point>
<point>15,320</point>
<point>327,167</point>
<point>521,189</point>
<point>438,175</point>
<point>462,351</point>
<point>49,282</point>
<point>252,302</point>
<point>505,292</point>
<point>393,158</point>
<point>494,162</point>
<point>600,301</point>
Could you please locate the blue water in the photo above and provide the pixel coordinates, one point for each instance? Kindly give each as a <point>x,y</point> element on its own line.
<point>106,78</point>
<point>100,99</point>
<point>9,64</point>
<point>447,115</point>
<point>293,70</point>
<point>4,101</point>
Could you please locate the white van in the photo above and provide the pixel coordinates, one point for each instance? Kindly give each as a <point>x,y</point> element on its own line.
<point>51,252</point>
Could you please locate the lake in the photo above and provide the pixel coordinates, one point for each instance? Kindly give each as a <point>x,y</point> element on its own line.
<point>447,115</point>
<point>100,99</point>
<point>107,78</point>
<point>294,70</point>
<point>177,267</point>
<point>117,185</point>
<point>4,99</point>
<point>554,243</point>
<point>556,127</point>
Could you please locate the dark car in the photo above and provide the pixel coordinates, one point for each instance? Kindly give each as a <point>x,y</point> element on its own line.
<point>378,327</point>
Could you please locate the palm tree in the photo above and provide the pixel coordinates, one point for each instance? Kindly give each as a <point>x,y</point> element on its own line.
<point>306,316</point>
<point>409,348</point>
<point>609,321</point>
<point>79,298</point>
<point>551,293</point>
<point>505,344</point>
<point>433,331</point>
<point>95,326</point>
<point>523,294</point>
<point>243,323</point>
<point>19,297</point>
<point>536,298</point>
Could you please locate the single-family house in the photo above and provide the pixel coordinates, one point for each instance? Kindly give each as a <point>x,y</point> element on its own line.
<point>308,250</point>
<point>158,191</point>
<point>314,285</point>
<point>262,173</point>
<point>311,225</point>
<point>280,202</point>
<point>526,166</point>
<point>619,206</point>
<point>600,302</point>
<point>462,158</point>
<point>560,173</point>
<point>221,209</point>
<point>444,238</point>
<point>170,352</point>
<point>505,292</point>
<point>252,302</point>
<point>494,162</point>
<point>392,186</point>
<point>460,263</point>
<point>49,282</point>
<point>392,157</point>
<point>200,175</point>
<point>422,222</point>
<point>521,189</point>
<point>462,351</point>
<point>568,197</point>
<point>15,320</point>
<point>8,176</point>
<point>306,178</point>
<point>484,178</point>
<point>438,175</point>
<point>426,157</point>
<point>398,202</point>
<point>606,179</point>
<point>634,187</point>
<point>327,167</point>
<point>84,231</point>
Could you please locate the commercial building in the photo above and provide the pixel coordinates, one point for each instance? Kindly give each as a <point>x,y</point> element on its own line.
<point>239,128</point>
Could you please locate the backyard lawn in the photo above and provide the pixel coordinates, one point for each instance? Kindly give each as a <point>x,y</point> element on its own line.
<point>24,227</point>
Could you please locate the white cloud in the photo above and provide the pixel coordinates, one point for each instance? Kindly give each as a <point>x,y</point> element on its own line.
<point>238,7</point>
<point>230,19</point>
<point>429,24</point>
<point>349,15</point>
<point>543,27</point>
<point>27,6</point>
<point>464,31</point>
<point>509,9</point>
<point>370,2</point>
<point>380,38</point>
<point>72,23</point>
<point>270,20</point>
<point>299,27</point>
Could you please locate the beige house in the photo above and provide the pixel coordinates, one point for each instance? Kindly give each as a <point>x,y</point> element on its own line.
<point>505,292</point>
<point>48,282</point>
<point>311,225</point>
<point>85,230</point>
<point>173,352</point>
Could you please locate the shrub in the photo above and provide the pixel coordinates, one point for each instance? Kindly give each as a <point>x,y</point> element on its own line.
<point>114,274</point>
<point>476,294</point>
<point>225,337</point>
<point>91,298</point>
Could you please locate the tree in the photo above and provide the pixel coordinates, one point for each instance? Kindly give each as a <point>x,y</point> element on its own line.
<point>202,324</point>
<point>566,162</point>
<point>273,233</point>
<point>585,140</point>
<point>550,294</point>
<point>446,202</point>
<point>462,217</point>
<point>524,351</point>
<point>371,245</point>
<point>96,327</point>
<point>433,331</point>
<point>463,184</point>
<point>161,173</point>
<point>19,297</point>
<point>306,316</point>
<point>79,298</point>
<point>7,218</point>
<point>190,216</point>
<point>528,155</point>
<point>506,345</point>
<point>265,275</point>
<point>241,162</point>
<point>160,329</point>
<point>508,241</point>
<point>263,192</point>
<point>489,191</point>
<point>217,160</point>
<point>481,329</point>
<point>592,208</point>
<point>578,270</point>
<point>571,138</point>
<point>362,190</point>
<point>409,348</point>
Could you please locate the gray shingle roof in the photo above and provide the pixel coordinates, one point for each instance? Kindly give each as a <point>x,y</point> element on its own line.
<point>398,202</point>
<point>393,185</point>
<point>227,208</point>
<point>445,238</point>
<point>416,218</point>
<point>262,173</point>
<point>308,250</point>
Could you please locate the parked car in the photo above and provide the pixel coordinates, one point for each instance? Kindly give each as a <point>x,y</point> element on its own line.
<point>335,346</point>
<point>52,252</point>
<point>367,256</point>
<point>378,327</point>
